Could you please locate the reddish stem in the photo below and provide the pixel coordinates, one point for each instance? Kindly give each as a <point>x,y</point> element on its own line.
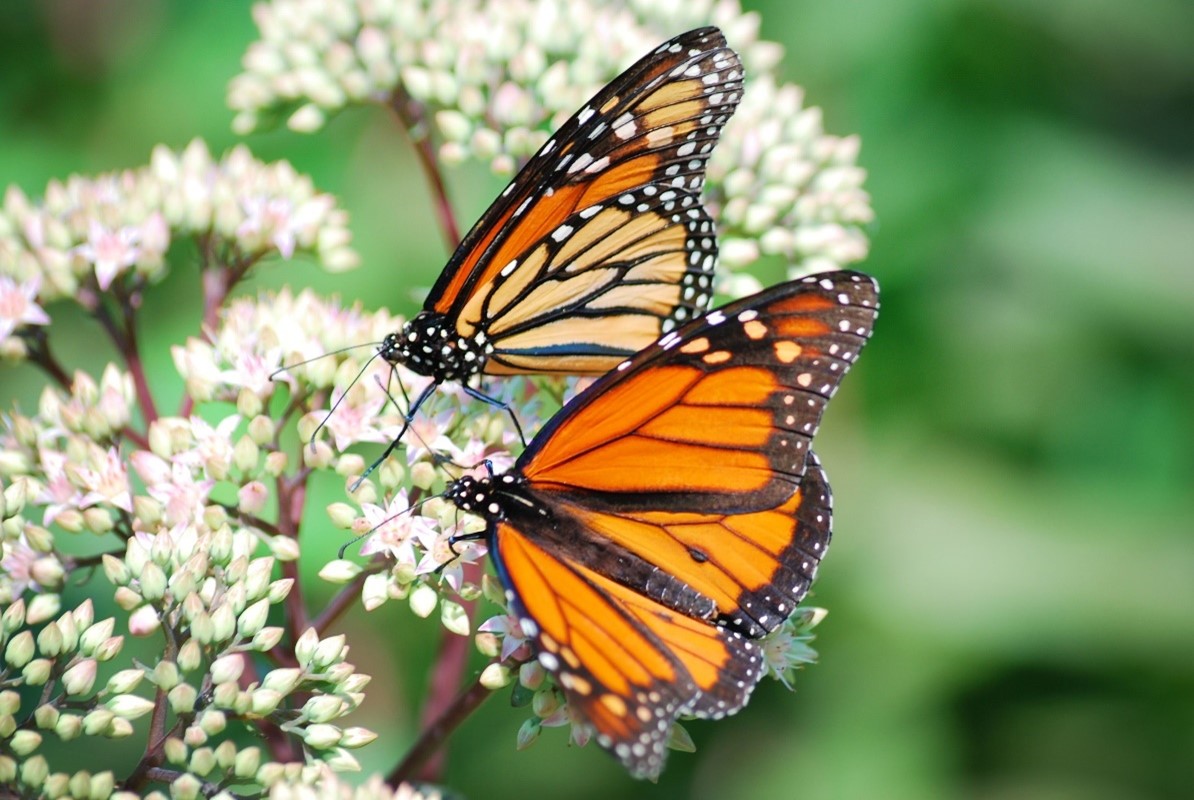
<point>415,125</point>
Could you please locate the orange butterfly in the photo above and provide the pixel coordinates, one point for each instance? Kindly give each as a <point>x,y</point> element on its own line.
<point>673,511</point>
<point>599,245</point>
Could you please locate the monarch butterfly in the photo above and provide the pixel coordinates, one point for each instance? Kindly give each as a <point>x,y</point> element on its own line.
<point>599,245</point>
<point>673,511</point>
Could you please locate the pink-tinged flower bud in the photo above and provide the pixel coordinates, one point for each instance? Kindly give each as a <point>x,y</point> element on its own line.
<point>280,589</point>
<point>487,644</point>
<point>70,520</point>
<point>223,623</point>
<point>98,520</point>
<point>119,728</point>
<point>79,679</point>
<point>144,621</point>
<point>95,635</point>
<point>531,675</point>
<point>495,676</point>
<point>109,648</point>
<point>116,571</point>
<point>248,404</point>
<point>261,430</point>
<point>282,680</point>
<point>42,607</point>
<point>252,497</point>
<point>194,736</point>
<point>276,463</point>
<point>545,703</point>
<point>203,761</point>
<point>318,455</point>
<point>186,787</point>
<point>220,550</point>
<point>13,616</point>
<point>304,648</point>
<point>423,475</point>
<point>15,495</point>
<point>128,598</point>
<point>357,737</point>
<point>39,539</point>
<point>47,572</point>
<point>227,669</point>
<point>70,632</point>
<point>37,671</point>
<point>84,614</point>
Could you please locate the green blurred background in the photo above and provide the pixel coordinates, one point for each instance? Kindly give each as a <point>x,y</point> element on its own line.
<point>1011,588</point>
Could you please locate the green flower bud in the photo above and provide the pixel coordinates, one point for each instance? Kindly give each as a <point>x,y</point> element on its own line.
<point>267,639</point>
<point>224,695</point>
<point>322,737</point>
<point>257,578</point>
<point>152,581</point>
<point>97,722</point>
<point>454,618</point>
<point>56,785</point>
<point>8,769</point>
<point>212,721</point>
<point>46,716</point>
<point>37,671</point>
<point>422,475</point>
<point>147,510</point>
<point>279,589</point>
<point>8,725</point>
<point>124,681</point>
<point>14,498</point>
<point>341,515</point>
<point>323,708</point>
<point>340,760</point>
<point>13,617</point>
<point>68,726</point>
<point>527,734</point>
<point>10,702</point>
<point>220,550</point>
<point>248,404</point>
<point>202,627</point>
<point>265,701</point>
<point>495,676</point>
<point>176,750</point>
<point>38,538</point>
<point>329,651</point>
<point>119,728</point>
<point>203,761</point>
<point>487,644</point>
<point>283,548</point>
<point>339,571</point>
<point>492,589</point>
<point>304,648</point>
<point>423,600</point>
<point>48,572</point>
<point>84,614</point>
<point>226,754</point>
<point>245,454</point>
<point>357,737</point>
<point>223,624</point>
<point>43,607</point>
<point>261,430</point>
<point>283,679</point>
<point>194,736</point>
<point>79,679</point>
<point>70,520</point>
<point>182,698</point>
<point>98,520</point>
<point>102,785</point>
<point>165,675</point>
<point>80,784</point>
<point>130,706</point>
<point>192,606</point>
<point>390,474</point>
<point>20,650</point>
<point>270,773</point>
<point>95,635</point>
<point>253,619</point>
<point>247,762</point>
<point>355,682</point>
<point>190,656</point>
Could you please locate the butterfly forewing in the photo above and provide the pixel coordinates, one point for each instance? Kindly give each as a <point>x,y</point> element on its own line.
<point>601,243</point>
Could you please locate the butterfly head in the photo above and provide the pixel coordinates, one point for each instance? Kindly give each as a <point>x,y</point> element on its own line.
<point>429,345</point>
<point>487,497</point>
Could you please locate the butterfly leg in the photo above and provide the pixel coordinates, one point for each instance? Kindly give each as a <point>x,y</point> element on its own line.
<point>406,420</point>
<point>477,394</point>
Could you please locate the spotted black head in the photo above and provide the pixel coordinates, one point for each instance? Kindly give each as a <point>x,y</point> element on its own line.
<point>429,345</point>
<point>491,498</point>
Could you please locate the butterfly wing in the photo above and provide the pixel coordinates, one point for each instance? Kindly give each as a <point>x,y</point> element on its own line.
<point>600,244</point>
<point>629,664</point>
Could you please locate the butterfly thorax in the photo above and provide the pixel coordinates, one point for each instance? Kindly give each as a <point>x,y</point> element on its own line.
<point>491,497</point>
<point>429,345</point>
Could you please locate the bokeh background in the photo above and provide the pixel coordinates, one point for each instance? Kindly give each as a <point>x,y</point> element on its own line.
<point>1011,587</point>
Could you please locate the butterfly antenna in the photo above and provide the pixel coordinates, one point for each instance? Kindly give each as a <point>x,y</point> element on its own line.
<point>273,376</point>
<point>453,539</point>
<point>323,422</point>
<point>409,509</point>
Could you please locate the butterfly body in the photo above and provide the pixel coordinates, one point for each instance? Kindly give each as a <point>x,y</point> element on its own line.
<point>673,512</point>
<point>429,345</point>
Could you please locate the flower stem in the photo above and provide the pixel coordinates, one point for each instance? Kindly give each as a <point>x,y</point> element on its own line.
<point>413,122</point>
<point>435,734</point>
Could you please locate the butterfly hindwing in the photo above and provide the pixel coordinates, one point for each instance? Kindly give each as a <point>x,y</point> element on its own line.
<point>617,191</point>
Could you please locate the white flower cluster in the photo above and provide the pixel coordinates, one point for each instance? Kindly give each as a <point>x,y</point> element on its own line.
<point>490,81</point>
